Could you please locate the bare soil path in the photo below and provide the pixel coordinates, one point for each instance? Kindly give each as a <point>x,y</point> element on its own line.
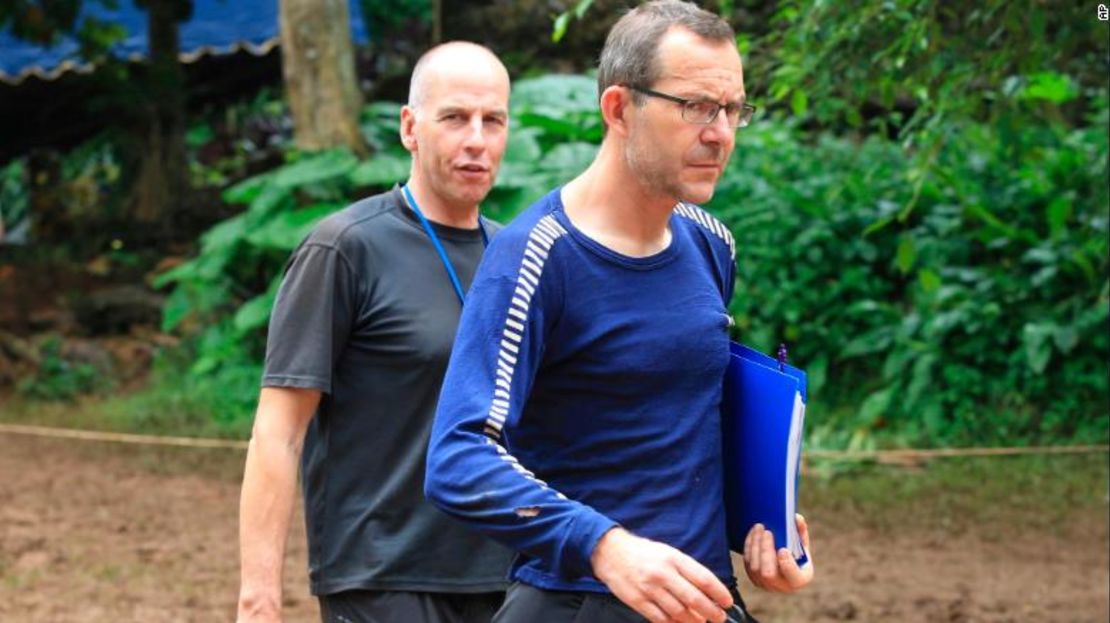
<point>93,532</point>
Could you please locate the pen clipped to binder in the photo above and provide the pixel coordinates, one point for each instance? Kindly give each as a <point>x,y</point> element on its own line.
<point>762,417</point>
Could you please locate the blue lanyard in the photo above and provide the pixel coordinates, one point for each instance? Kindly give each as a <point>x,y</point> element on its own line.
<point>439,247</point>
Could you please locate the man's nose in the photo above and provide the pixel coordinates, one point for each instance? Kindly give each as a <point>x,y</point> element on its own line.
<point>475,134</point>
<point>719,130</point>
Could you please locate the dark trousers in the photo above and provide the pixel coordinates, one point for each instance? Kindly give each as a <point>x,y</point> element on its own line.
<point>408,607</point>
<point>528,604</point>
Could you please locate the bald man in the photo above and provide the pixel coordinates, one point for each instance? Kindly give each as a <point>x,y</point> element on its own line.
<point>358,344</point>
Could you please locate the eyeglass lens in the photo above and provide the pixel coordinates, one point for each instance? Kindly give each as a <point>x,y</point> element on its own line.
<point>706,112</point>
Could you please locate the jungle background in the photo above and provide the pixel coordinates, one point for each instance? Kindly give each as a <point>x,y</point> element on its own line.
<point>921,208</point>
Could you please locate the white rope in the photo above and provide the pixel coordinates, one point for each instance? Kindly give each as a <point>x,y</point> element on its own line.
<point>882,456</point>
<point>149,440</point>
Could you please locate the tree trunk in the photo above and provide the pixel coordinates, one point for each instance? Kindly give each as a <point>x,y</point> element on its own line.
<point>319,69</point>
<point>162,182</point>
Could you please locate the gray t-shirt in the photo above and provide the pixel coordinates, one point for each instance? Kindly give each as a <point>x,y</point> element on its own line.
<point>367,314</point>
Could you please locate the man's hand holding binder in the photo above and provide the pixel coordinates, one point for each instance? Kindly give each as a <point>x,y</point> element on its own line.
<point>762,418</point>
<point>777,571</point>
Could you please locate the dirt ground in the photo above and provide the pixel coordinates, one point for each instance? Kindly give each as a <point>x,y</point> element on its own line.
<point>95,532</point>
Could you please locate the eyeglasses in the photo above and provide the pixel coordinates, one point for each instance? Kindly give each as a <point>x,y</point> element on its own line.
<point>703,112</point>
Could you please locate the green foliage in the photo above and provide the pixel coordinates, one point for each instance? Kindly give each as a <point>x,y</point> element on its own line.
<point>227,144</point>
<point>915,62</point>
<point>222,298</point>
<point>980,319</point>
<point>14,197</point>
<point>957,495</point>
<point>57,377</point>
<point>388,17</point>
<point>912,68</point>
<point>554,132</point>
<point>89,173</point>
<point>977,318</point>
<point>178,402</point>
<point>562,20</point>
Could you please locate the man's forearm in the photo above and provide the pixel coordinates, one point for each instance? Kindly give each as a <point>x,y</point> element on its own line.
<point>266,502</point>
<point>265,509</point>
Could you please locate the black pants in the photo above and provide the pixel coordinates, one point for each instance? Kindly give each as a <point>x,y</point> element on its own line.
<point>408,607</point>
<point>528,604</point>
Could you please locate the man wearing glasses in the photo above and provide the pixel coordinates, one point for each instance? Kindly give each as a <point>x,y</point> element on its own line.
<point>579,418</point>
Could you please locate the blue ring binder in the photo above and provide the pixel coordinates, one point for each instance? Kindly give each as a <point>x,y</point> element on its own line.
<point>762,418</point>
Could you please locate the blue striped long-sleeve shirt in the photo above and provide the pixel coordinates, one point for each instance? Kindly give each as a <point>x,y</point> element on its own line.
<point>583,392</point>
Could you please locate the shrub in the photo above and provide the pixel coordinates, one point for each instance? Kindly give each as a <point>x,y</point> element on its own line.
<point>979,316</point>
<point>966,304</point>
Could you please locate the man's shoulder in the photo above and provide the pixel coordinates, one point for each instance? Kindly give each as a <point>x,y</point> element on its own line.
<point>699,219</point>
<point>526,242</point>
<point>358,222</point>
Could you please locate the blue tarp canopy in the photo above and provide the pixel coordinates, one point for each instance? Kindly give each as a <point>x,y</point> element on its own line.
<point>216,27</point>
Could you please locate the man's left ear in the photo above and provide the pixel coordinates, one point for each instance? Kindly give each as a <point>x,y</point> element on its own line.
<point>615,101</point>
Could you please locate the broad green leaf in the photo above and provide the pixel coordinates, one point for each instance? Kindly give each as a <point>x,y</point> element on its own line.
<point>1038,347</point>
<point>286,230</point>
<point>906,255</point>
<point>743,45</point>
<point>932,415</point>
<point>175,309</point>
<point>799,103</point>
<point>1066,339</point>
<point>315,168</point>
<point>271,199</point>
<point>523,146</point>
<point>255,313</point>
<point>582,7</point>
<point>1050,86</point>
<point>920,380</point>
<point>875,406</point>
<point>198,135</point>
<point>896,362</point>
<point>873,342</point>
<point>1059,211</point>
<point>567,160</point>
<point>247,190</point>
<point>380,124</point>
<point>555,95</point>
<point>929,280</point>
<point>224,234</point>
<point>816,373</point>
<point>204,365</point>
<point>559,129</point>
<point>505,202</point>
<point>383,169</point>
<point>560,27</point>
<point>182,272</point>
<point>382,109</point>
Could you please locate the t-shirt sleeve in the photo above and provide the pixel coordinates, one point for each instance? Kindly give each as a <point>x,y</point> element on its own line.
<point>471,474</point>
<point>313,314</point>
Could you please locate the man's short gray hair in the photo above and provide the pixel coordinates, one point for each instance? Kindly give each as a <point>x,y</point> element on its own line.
<point>631,53</point>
